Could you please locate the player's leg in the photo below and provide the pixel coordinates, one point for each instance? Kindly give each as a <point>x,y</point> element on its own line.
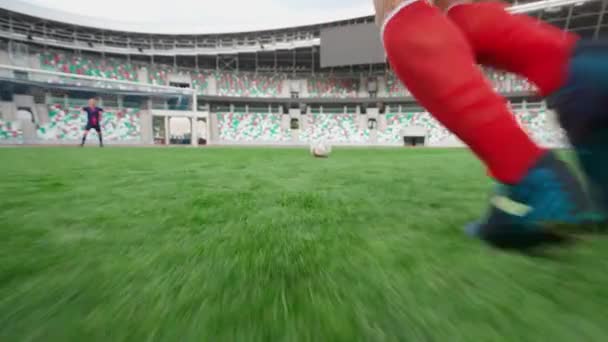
<point>582,107</point>
<point>515,42</point>
<point>84,135</point>
<point>98,129</point>
<point>433,59</point>
<point>572,71</point>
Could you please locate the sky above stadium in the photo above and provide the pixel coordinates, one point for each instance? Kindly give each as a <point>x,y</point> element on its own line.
<point>199,16</point>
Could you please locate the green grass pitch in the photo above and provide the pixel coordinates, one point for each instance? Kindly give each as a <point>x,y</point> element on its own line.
<point>272,245</point>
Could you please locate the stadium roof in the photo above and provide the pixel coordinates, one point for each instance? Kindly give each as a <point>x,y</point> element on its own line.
<point>191,16</point>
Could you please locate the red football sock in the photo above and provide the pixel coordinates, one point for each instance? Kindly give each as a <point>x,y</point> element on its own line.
<point>433,59</point>
<point>516,43</point>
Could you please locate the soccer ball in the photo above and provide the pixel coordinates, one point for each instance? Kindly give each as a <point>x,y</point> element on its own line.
<point>320,150</point>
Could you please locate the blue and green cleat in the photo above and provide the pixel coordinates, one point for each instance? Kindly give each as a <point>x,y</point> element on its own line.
<point>582,109</point>
<point>527,215</point>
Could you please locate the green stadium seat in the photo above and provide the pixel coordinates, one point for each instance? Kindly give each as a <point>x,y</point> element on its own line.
<point>109,68</point>
<point>10,132</point>
<point>395,122</point>
<point>159,75</point>
<point>394,87</point>
<point>200,80</point>
<point>251,127</point>
<point>507,83</point>
<point>67,124</point>
<point>246,84</point>
<point>333,128</point>
<point>332,87</point>
<point>534,122</point>
<point>504,83</point>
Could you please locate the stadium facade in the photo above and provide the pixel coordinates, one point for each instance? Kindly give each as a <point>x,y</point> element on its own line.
<point>286,86</point>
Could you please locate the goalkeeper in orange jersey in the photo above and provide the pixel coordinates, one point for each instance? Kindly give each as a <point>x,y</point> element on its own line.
<point>434,55</point>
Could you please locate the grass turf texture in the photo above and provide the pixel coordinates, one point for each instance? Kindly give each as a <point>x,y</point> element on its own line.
<point>273,245</point>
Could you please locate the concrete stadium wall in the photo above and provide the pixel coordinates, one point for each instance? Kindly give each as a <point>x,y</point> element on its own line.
<point>4,57</point>
<point>147,133</point>
<point>8,110</point>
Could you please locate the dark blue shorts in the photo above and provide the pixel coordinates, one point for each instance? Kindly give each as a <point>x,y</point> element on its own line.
<point>90,126</point>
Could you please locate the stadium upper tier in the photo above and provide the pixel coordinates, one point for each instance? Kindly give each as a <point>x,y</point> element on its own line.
<point>223,83</point>
<point>48,28</point>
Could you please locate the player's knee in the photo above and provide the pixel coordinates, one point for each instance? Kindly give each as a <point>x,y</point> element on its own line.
<point>407,48</point>
<point>410,37</point>
<point>493,11</point>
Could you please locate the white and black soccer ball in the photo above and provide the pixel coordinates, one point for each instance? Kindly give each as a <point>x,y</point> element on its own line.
<point>320,150</point>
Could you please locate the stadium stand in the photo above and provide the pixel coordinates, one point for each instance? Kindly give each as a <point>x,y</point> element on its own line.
<point>344,129</point>
<point>251,127</point>
<point>278,71</point>
<point>10,131</point>
<point>159,74</point>
<point>200,80</point>
<point>394,87</point>
<point>333,128</point>
<point>245,84</point>
<point>508,83</point>
<point>536,123</point>
<point>504,83</point>
<point>395,122</point>
<point>332,87</point>
<point>66,124</point>
<point>110,68</point>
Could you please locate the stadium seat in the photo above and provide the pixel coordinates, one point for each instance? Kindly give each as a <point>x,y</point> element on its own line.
<point>394,87</point>
<point>109,68</point>
<point>159,74</point>
<point>249,84</point>
<point>67,124</point>
<point>121,125</point>
<point>10,132</point>
<point>64,124</point>
<point>333,128</point>
<point>536,123</point>
<point>200,80</point>
<point>396,122</point>
<point>506,83</point>
<point>251,127</point>
<point>332,87</point>
<point>246,84</point>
